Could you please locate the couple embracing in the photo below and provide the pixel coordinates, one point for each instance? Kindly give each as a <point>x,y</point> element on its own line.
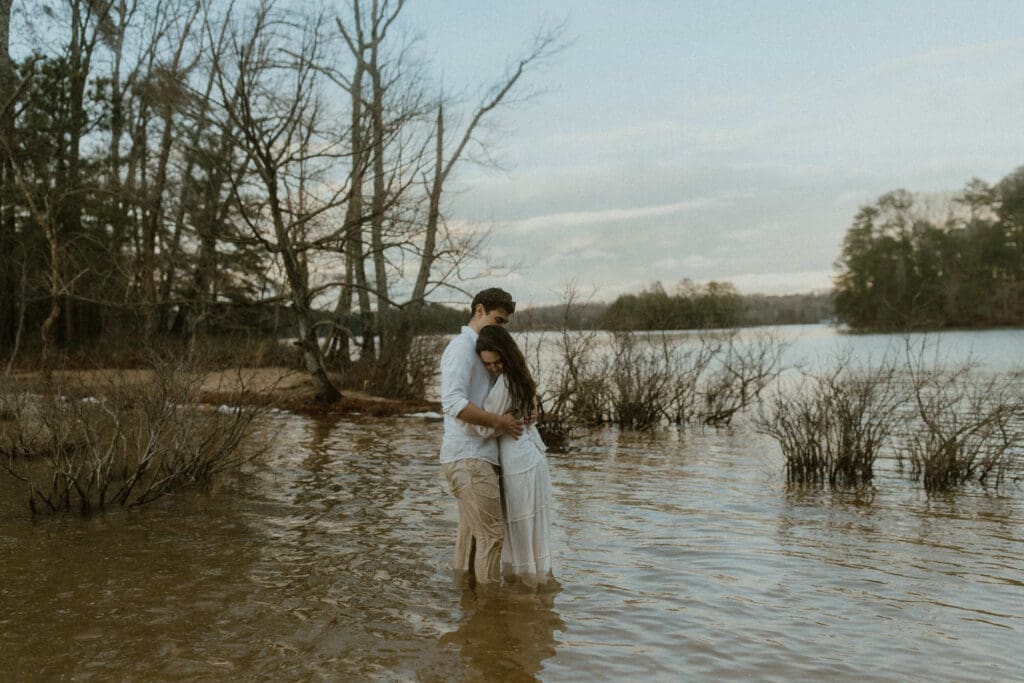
<point>491,454</point>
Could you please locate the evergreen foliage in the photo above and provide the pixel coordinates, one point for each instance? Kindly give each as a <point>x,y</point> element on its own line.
<point>691,306</point>
<point>652,309</point>
<point>908,264</point>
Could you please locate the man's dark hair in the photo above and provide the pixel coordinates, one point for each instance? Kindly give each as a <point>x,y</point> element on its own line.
<point>493,298</point>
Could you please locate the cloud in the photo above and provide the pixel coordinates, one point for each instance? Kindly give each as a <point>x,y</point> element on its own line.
<point>661,136</point>
<point>699,262</point>
<point>582,218</point>
<point>946,56</point>
<point>607,136</point>
<point>783,283</point>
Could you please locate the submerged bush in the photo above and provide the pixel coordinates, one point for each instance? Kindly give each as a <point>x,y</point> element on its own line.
<point>572,390</point>
<point>832,427</point>
<point>952,426</point>
<point>423,364</point>
<point>128,445</point>
<point>968,428</point>
<point>685,379</point>
<point>641,383</point>
<point>570,374</point>
<point>738,372</point>
<point>689,363</point>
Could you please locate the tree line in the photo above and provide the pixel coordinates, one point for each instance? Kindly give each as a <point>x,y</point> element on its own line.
<point>689,306</point>
<point>909,262</point>
<point>168,165</point>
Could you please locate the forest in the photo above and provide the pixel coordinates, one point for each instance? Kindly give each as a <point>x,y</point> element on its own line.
<point>911,262</point>
<point>689,306</point>
<point>177,174</point>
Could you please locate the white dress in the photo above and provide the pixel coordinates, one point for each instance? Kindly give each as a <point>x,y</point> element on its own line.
<point>526,496</point>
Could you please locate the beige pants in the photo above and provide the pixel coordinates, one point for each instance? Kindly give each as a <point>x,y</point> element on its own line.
<point>481,526</point>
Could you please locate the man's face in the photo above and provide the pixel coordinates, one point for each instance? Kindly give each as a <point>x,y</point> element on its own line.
<point>496,316</point>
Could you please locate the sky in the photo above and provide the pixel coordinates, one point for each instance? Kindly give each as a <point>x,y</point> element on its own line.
<point>718,140</point>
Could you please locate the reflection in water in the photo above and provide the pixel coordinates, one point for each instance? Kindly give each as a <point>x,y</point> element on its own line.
<point>506,634</point>
<point>128,594</point>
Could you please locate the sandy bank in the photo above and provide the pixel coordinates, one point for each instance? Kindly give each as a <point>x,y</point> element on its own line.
<point>280,387</point>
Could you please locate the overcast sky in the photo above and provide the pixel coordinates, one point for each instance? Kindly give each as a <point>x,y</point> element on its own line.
<point>722,140</point>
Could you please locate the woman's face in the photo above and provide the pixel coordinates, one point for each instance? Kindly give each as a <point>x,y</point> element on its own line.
<point>492,361</point>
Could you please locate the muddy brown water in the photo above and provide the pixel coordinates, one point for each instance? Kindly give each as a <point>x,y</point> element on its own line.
<point>679,557</point>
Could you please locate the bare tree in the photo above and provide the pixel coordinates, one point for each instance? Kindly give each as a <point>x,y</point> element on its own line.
<point>545,45</point>
<point>197,163</point>
<point>7,87</point>
<point>416,238</point>
<point>355,280</point>
<point>170,79</point>
<point>43,211</point>
<point>47,209</point>
<point>284,127</point>
<point>121,17</point>
<point>202,203</point>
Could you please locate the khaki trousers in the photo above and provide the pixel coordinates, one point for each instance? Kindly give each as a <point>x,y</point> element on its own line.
<point>481,525</point>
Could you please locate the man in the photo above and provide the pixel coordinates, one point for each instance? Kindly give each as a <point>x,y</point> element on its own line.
<point>470,462</point>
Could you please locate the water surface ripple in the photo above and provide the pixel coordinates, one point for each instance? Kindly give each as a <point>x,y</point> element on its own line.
<point>678,556</point>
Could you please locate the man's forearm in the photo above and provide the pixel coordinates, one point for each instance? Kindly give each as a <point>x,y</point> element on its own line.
<point>478,416</point>
<point>503,424</point>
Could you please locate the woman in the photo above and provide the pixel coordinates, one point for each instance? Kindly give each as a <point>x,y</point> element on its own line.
<point>525,479</point>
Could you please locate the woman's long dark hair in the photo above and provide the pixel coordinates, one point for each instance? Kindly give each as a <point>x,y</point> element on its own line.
<point>521,387</point>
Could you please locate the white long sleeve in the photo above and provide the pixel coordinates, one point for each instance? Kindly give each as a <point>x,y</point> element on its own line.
<point>464,380</point>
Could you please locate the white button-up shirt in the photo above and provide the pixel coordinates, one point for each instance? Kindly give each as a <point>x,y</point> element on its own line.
<point>464,380</point>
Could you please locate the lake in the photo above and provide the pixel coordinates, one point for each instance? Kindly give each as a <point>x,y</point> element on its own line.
<point>680,556</point>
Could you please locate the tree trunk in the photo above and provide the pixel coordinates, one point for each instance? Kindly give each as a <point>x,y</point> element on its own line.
<point>377,203</point>
<point>394,372</point>
<point>155,203</point>
<point>324,389</point>
<point>419,290</point>
<point>8,302</point>
<point>48,331</point>
<point>69,222</point>
<point>355,268</point>
<point>354,221</point>
<point>396,378</point>
<point>22,296</point>
<point>119,219</point>
<point>390,369</point>
<point>208,213</point>
<point>339,351</point>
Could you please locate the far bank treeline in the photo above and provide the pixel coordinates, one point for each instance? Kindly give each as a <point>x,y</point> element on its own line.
<point>911,262</point>
<point>687,306</point>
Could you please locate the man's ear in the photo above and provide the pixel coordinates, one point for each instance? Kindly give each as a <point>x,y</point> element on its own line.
<point>479,310</point>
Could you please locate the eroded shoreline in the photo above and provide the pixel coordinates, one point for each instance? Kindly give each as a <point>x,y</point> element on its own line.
<point>277,387</point>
